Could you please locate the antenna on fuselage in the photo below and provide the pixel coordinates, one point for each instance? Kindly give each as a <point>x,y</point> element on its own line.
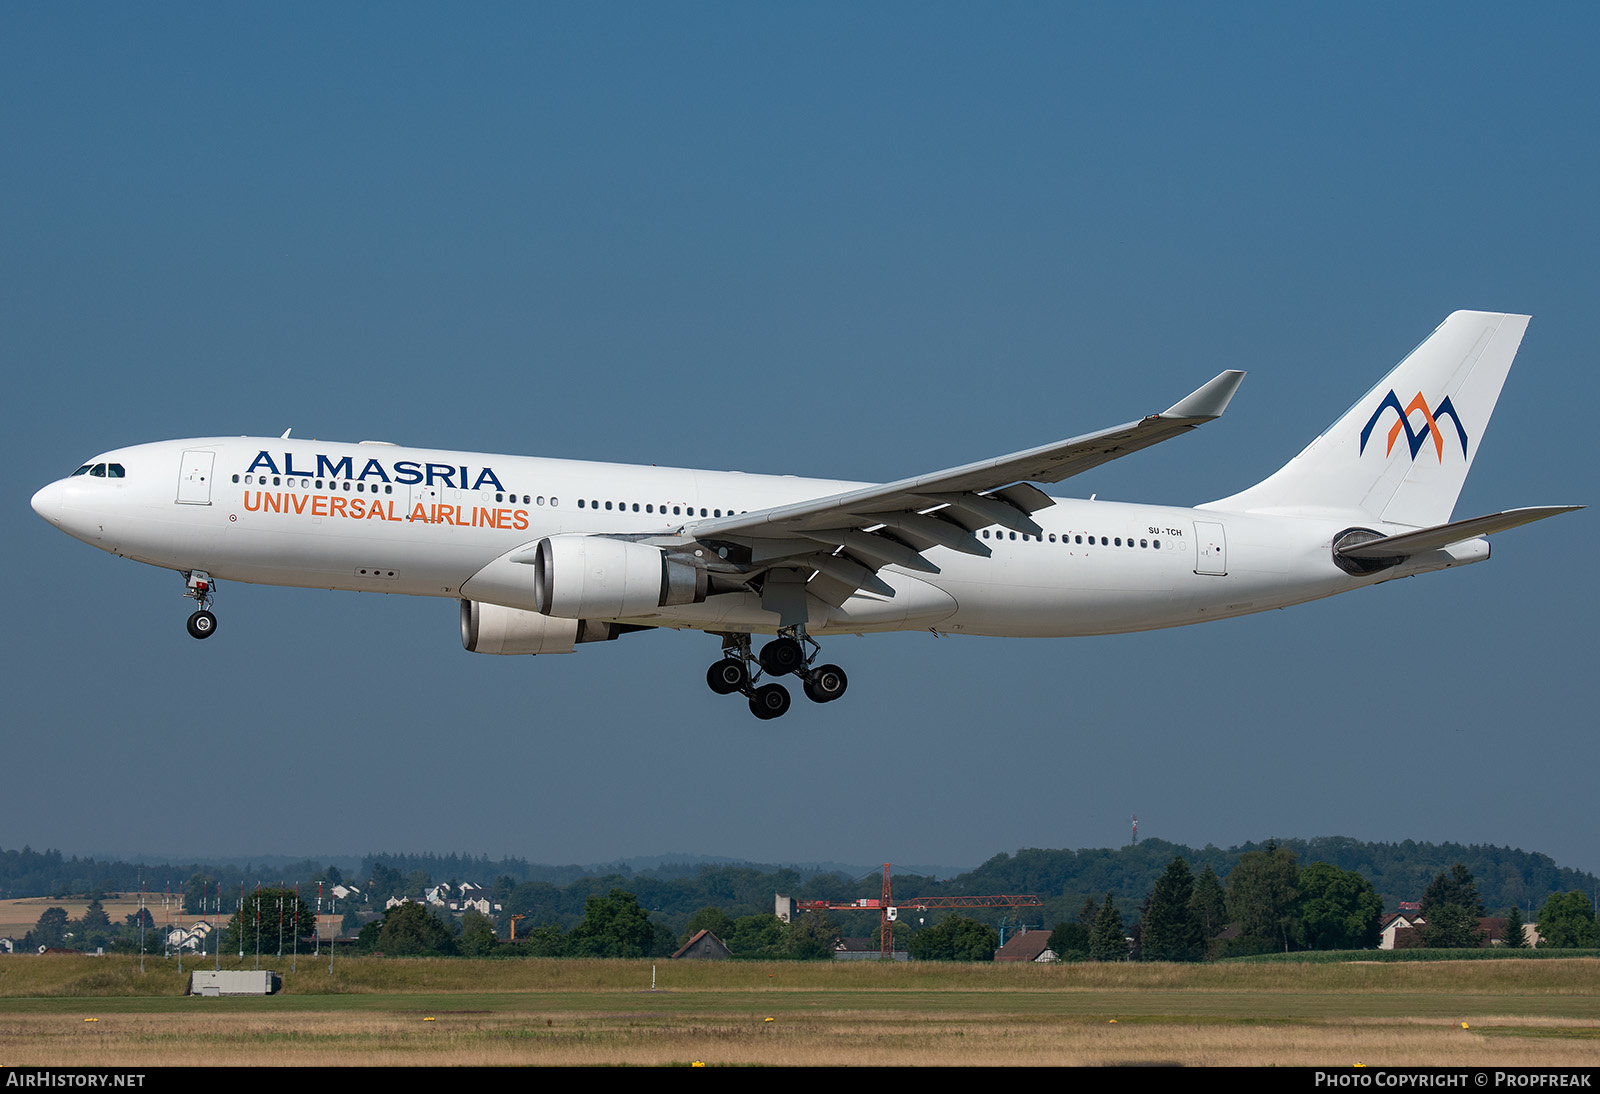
<point>286,433</point>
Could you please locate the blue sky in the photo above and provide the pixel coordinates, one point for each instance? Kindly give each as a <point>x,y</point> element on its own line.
<point>840,240</point>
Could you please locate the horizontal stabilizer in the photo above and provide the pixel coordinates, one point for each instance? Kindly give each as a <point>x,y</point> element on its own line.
<point>1443,535</point>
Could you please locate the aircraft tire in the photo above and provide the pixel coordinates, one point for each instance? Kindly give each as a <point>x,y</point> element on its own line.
<point>202,624</point>
<point>826,684</point>
<point>782,656</point>
<point>770,701</point>
<point>728,676</point>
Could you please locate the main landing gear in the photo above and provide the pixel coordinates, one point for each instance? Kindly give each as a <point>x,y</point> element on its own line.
<point>202,624</point>
<point>783,656</point>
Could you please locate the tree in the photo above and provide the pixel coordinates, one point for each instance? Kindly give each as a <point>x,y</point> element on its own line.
<point>1451,927</point>
<point>94,918</point>
<point>477,934</point>
<point>93,928</point>
<point>1515,938</point>
<point>410,929</point>
<point>1210,903</point>
<point>1339,909</point>
<point>267,916</point>
<point>385,882</point>
<point>1107,939</point>
<point>1170,930</point>
<point>956,938</point>
<point>198,892</point>
<point>613,926</point>
<point>760,935</point>
<point>1567,921</point>
<point>811,937</point>
<point>1262,897</point>
<point>1451,908</point>
<point>710,919</point>
<point>1456,887</point>
<point>51,929</point>
<point>543,941</point>
<point>1070,942</point>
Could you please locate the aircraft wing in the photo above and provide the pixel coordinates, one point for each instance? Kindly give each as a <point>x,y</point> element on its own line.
<point>843,539</point>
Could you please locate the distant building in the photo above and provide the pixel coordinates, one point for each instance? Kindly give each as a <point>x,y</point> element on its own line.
<point>704,946</point>
<point>1399,930</point>
<point>1027,946</point>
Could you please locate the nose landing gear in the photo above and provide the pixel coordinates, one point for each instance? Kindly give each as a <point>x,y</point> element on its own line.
<point>202,623</point>
<point>785,655</point>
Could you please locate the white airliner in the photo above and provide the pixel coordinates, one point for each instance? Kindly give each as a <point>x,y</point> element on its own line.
<point>544,554</point>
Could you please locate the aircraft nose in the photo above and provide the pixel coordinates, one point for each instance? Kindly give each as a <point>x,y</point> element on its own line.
<point>47,502</point>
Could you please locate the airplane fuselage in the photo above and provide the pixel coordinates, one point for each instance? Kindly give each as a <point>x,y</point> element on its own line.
<point>381,518</point>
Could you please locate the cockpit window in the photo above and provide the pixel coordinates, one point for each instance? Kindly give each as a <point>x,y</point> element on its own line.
<point>101,471</point>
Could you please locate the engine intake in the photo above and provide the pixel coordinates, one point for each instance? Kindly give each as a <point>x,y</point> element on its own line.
<point>595,577</point>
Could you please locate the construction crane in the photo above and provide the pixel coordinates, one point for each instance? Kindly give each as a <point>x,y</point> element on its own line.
<point>889,911</point>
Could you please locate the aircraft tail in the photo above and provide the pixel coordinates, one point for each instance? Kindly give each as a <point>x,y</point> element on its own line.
<point>1401,454</point>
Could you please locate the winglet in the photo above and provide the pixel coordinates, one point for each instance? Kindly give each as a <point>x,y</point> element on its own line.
<point>1209,400</point>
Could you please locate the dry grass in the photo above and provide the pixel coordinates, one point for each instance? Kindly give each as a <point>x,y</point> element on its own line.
<point>374,1012</point>
<point>878,1036</point>
<point>18,917</point>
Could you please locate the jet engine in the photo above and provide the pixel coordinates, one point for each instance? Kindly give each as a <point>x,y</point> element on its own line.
<point>595,577</point>
<point>491,628</point>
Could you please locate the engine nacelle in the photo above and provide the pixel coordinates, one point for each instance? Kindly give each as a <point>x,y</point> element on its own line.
<point>490,628</point>
<point>593,577</point>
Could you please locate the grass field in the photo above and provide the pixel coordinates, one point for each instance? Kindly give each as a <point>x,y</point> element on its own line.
<point>394,1011</point>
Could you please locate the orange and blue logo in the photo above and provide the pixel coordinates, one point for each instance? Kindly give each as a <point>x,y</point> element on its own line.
<point>1416,438</point>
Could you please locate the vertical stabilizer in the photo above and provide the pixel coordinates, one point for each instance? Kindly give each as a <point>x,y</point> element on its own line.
<point>1402,452</point>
